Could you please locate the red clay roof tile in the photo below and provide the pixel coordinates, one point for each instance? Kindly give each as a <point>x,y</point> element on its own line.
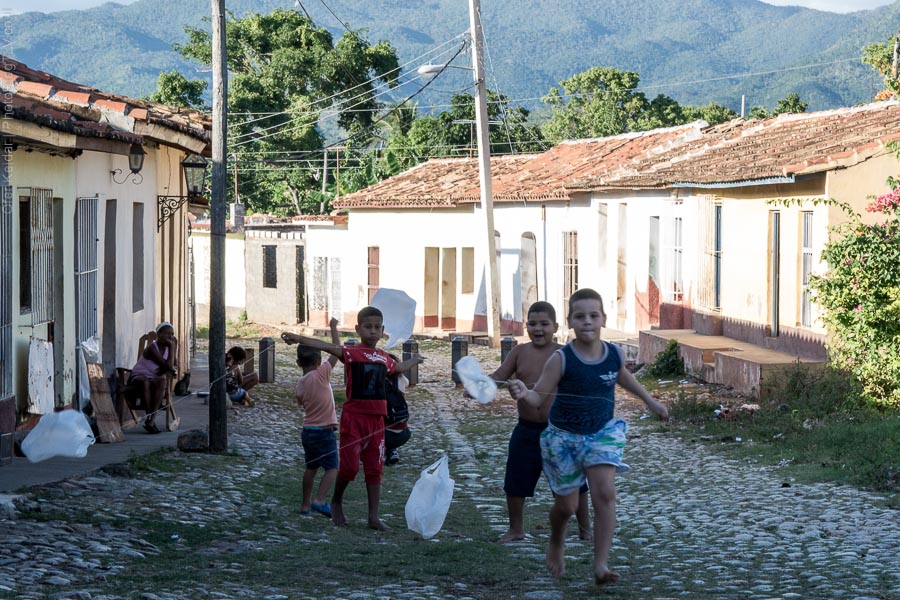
<point>32,88</point>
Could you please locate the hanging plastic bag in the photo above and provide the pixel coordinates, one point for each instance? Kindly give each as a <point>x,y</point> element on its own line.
<point>430,499</point>
<point>399,312</point>
<point>478,385</point>
<point>64,433</point>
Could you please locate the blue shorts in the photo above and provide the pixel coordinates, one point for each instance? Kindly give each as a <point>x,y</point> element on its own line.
<point>237,395</point>
<point>320,447</point>
<point>566,455</point>
<point>524,464</point>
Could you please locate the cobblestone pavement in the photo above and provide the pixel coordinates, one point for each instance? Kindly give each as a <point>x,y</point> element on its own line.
<point>690,522</point>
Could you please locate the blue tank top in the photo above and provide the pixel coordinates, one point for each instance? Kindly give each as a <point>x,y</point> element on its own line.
<point>585,396</point>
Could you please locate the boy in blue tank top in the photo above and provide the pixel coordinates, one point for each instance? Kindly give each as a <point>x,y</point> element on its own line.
<point>583,442</point>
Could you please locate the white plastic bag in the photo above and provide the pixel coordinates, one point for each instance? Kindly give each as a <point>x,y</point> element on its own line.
<point>64,433</point>
<point>477,384</point>
<point>399,312</point>
<point>430,499</point>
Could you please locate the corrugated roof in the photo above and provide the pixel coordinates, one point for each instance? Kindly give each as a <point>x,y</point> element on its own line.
<point>44,99</point>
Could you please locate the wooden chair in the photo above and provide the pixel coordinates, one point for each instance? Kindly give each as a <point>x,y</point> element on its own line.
<point>129,401</point>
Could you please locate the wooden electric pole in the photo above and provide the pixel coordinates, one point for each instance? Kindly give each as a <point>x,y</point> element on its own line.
<point>218,408</point>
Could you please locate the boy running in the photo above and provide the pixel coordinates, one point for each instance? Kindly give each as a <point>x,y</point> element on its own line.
<point>523,464</point>
<point>583,441</point>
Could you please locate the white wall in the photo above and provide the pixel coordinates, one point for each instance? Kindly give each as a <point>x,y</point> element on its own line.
<point>235,274</point>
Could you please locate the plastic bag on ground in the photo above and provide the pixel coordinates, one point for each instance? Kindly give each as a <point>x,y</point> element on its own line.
<point>478,385</point>
<point>64,433</point>
<point>399,312</point>
<point>430,499</point>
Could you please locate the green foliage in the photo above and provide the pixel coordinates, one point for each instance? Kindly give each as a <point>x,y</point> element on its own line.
<point>789,104</point>
<point>667,363</point>
<point>860,298</point>
<point>880,56</point>
<point>284,72</point>
<point>174,89</point>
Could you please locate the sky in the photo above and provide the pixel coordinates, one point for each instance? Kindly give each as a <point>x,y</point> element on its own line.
<point>15,6</point>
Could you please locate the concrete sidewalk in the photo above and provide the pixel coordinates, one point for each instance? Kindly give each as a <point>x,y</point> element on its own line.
<point>192,411</point>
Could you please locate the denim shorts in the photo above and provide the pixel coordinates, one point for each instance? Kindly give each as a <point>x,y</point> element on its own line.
<point>320,447</point>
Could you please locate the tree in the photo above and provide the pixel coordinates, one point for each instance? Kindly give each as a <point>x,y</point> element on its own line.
<point>880,56</point>
<point>174,89</point>
<point>712,113</point>
<point>789,104</point>
<point>284,75</point>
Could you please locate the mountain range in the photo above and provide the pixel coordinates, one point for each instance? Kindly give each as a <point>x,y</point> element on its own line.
<point>695,51</point>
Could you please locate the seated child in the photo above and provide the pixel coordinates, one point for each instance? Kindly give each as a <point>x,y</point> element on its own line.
<point>314,395</point>
<point>149,377</point>
<point>236,381</point>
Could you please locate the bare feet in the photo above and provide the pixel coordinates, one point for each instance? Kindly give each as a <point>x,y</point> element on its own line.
<point>585,534</point>
<point>605,576</point>
<point>377,524</point>
<point>511,536</point>
<point>556,560</point>
<point>337,514</point>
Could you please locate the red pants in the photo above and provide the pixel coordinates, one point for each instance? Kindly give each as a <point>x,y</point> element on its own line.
<point>362,438</point>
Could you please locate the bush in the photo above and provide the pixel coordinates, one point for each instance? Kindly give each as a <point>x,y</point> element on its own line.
<point>667,363</point>
<point>860,295</point>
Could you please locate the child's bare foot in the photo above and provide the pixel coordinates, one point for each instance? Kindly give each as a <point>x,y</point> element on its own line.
<point>511,536</point>
<point>585,534</point>
<point>377,525</point>
<point>605,576</point>
<point>555,560</point>
<point>337,514</point>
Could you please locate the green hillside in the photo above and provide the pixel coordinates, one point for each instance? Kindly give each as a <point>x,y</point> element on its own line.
<point>683,49</point>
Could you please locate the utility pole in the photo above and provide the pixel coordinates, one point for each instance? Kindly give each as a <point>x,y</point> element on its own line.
<point>218,410</point>
<point>324,180</point>
<point>743,104</point>
<point>896,53</point>
<point>492,287</point>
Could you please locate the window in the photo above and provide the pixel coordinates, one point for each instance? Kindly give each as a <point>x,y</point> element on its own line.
<point>806,270</point>
<point>710,257</point>
<point>467,282</point>
<point>326,285</point>
<point>373,271</point>
<point>570,266</point>
<point>36,254</point>
<point>86,268</point>
<point>270,266</point>
<point>137,257</point>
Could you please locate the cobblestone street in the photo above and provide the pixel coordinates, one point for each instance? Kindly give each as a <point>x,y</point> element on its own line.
<point>690,522</point>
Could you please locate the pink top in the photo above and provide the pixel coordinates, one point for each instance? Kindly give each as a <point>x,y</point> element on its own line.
<point>145,367</point>
<point>314,394</point>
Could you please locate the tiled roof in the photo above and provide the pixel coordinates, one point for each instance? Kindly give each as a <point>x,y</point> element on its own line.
<point>765,150</point>
<point>437,182</point>
<point>49,101</point>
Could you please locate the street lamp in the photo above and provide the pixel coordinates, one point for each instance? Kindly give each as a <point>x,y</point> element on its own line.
<point>136,156</point>
<point>492,289</point>
<point>194,168</point>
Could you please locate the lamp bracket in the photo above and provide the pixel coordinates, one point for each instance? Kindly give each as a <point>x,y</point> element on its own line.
<point>168,206</point>
<point>136,178</point>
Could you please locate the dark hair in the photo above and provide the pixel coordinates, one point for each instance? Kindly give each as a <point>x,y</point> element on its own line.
<point>369,311</point>
<point>586,294</point>
<point>308,357</point>
<point>544,307</point>
<point>237,354</point>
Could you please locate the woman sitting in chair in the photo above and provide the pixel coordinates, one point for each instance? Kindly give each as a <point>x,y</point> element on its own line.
<point>149,377</point>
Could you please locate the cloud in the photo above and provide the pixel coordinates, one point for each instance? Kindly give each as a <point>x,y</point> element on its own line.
<point>839,6</point>
<point>19,6</point>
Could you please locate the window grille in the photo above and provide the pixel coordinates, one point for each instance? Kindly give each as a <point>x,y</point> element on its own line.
<point>334,289</point>
<point>86,268</point>
<point>570,266</point>
<point>6,214</point>
<point>301,284</point>
<point>710,256</point>
<point>36,256</point>
<point>319,300</point>
<point>374,254</point>
<point>137,257</point>
<point>270,266</point>
<point>806,271</point>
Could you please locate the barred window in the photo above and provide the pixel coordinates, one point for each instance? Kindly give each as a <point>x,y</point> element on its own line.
<point>270,266</point>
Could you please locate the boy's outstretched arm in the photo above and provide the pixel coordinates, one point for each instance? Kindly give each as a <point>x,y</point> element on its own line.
<point>316,343</point>
<point>545,386</point>
<point>630,383</point>
<point>507,368</point>
<point>335,339</point>
<point>409,363</point>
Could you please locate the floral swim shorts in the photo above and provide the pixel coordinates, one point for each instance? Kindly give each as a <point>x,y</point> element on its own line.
<point>566,455</point>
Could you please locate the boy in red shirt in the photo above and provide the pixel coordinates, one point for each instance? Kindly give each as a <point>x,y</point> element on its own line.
<point>362,416</point>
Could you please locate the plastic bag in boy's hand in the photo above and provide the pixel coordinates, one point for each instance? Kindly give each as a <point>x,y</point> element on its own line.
<point>430,499</point>
<point>64,433</point>
<point>478,385</point>
<point>399,314</point>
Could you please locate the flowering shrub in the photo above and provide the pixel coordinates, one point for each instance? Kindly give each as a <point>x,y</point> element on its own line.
<point>860,297</point>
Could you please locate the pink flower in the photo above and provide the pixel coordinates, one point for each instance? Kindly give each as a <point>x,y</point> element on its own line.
<point>886,203</point>
<point>858,307</point>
